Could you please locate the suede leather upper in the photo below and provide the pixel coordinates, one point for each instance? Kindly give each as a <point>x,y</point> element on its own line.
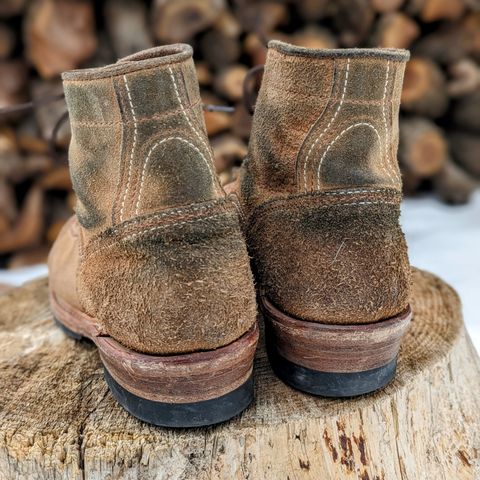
<point>320,188</point>
<point>161,265</point>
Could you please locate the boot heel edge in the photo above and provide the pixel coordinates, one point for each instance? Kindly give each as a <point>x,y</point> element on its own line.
<point>333,360</point>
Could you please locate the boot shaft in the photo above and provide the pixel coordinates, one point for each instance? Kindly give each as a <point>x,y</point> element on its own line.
<point>325,119</point>
<point>138,137</point>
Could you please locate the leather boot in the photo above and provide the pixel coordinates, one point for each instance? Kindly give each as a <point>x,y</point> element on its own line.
<point>153,267</point>
<point>320,191</point>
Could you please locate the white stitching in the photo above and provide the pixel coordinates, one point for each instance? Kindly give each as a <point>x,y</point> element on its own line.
<point>133,146</point>
<point>345,192</point>
<point>197,133</point>
<point>365,124</point>
<point>144,170</point>
<point>387,135</point>
<point>327,127</point>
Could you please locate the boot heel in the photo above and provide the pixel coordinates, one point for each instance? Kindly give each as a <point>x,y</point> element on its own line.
<point>189,390</point>
<point>333,360</point>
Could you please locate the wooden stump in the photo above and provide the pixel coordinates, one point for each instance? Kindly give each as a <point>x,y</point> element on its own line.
<point>58,419</point>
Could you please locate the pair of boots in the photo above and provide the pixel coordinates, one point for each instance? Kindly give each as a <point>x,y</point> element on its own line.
<point>154,266</point>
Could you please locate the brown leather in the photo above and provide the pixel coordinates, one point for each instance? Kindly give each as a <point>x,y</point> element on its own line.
<point>63,263</point>
<point>163,267</point>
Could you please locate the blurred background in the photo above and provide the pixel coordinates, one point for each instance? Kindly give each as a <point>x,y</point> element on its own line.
<point>439,127</point>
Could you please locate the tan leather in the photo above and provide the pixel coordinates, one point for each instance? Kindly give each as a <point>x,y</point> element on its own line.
<point>63,263</point>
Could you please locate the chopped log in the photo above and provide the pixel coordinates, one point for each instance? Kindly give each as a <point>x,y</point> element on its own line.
<point>354,21</point>
<point>48,115</point>
<point>228,24</point>
<point>453,41</point>
<point>59,35</point>
<point>56,179</point>
<point>424,88</point>
<point>434,10</point>
<point>8,204</point>
<point>262,17</point>
<point>465,77</point>
<point>228,176</point>
<point>9,8</point>
<point>423,149</point>
<point>229,82</point>
<point>465,148</point>
<point>219,50</point>
<point>28,228</point>
<point>395,30</point>
<point>313,10</point>
<point>13,83</point>
<point>228,150</point>
<point>255,48</point>
<point>7,41</point>
<point>216,122</point>
<point>126,23</point>
<point>386,6</point>
<point>59,420</point>
<point>180,20</point>
<point>30,166</point>
<point>29,138</point>
<point>466,112</point>
<point>453,184</point>
<point>410,182</point>
<point>314,37</point>
<point>204,74</point>
<point>10,160</point>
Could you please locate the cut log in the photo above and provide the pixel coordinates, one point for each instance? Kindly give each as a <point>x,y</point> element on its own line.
<point>219,50</point>
<point>313,10</point>
<point>466,112</point>
<point>423,149</point>
<point>465,77</point>
<point>228,150</point>
<point>385,6</point>
<point>434,10</point>
<point>9,8</point>
<point>453,184</point>
<point>313,36</point>
<point>465,148</point>
<point>13,83</point>
<point>424,88</point>
<point>58,419</point>
<point>395,30</point>
<point>126,23</point>
<point>180,20</point>
<point>229,82</point>
<point>354,20</point>
<point>59,35</point>
<point>7,41</point>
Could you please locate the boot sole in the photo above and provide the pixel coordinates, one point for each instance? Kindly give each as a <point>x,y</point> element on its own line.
<point>187,390</point>
<point>333,360</point>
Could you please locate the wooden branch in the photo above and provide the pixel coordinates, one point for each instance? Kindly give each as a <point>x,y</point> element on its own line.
<point>465,112</point>
<point>395,30</point>
<point>453,184</point>
<point>465,77</point>
<point>424,88</point>
<point>180,20</point>
<point>423,149</point>
<point>59,35</point>
<point>127,26</point>
<point>465,148</point>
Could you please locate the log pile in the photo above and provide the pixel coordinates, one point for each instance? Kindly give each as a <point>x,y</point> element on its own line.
<point>440,115</point>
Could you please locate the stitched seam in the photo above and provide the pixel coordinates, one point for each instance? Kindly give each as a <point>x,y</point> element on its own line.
<point>147,159</point>
<point>151,229</point>
<point>345,130</point>
<point>254,220</point>
<point>327,127</point>
<point>197,133</point>
<point>387,132</point>
<point>133,147</point>
<point>348,192</point>
<point>147,118</point>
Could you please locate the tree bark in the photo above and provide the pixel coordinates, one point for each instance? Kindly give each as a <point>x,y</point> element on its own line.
<point>58,419</point>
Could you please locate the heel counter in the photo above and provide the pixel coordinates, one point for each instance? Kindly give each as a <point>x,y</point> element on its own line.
<point>335,257</point>
<point>175,282</point>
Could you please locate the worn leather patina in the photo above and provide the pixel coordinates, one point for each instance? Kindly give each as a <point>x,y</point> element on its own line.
<point>155,253</point>
<point>321,188</point>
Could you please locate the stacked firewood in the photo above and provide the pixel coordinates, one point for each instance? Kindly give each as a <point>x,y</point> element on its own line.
<point>439,126</point>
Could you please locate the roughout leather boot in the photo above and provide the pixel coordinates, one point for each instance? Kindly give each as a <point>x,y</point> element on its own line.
<point>321,191</point>
<point>153,268</point>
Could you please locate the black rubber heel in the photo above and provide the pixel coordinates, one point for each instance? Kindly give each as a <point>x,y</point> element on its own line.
<point>69,332</point>
<point>183,415</point>
<point>330,384</point>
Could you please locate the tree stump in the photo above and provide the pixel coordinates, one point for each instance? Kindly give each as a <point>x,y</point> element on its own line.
<point>58,419</point>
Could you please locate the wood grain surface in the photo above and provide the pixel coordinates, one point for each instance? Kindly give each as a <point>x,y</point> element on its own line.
<point>58,419</point>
